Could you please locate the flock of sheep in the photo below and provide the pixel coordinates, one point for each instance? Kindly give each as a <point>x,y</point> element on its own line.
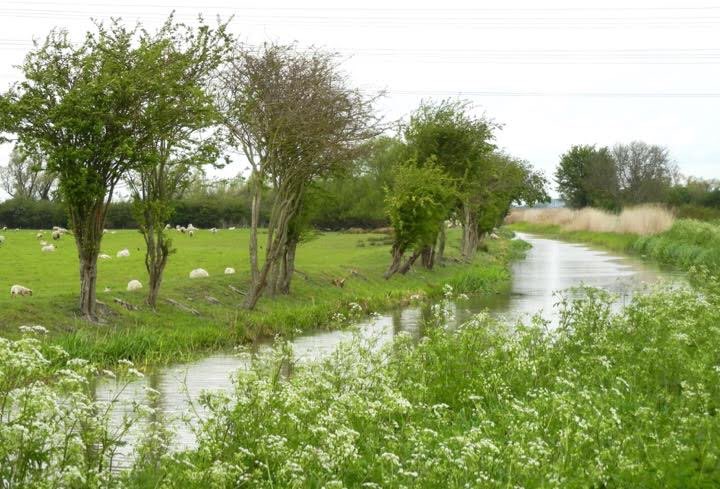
<point>133,285</point>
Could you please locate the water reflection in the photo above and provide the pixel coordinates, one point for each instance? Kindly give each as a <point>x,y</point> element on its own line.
<point>550,266</point>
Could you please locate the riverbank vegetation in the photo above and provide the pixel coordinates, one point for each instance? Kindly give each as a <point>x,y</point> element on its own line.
<point>484,405</point>
<point>649,231</point>
<point>211,316</point>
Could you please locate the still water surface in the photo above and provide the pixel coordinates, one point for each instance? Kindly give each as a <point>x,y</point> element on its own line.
<point>549,266</point>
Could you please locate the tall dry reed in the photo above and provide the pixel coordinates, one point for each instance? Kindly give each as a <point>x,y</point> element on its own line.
<point>642,220</point>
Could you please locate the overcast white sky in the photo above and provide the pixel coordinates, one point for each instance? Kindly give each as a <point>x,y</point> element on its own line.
<point>555,73</point>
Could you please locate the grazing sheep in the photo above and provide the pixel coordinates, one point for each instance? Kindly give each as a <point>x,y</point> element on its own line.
<point>2,239</point>
<point>43,243</point>
<point>39,235</point>
<point>229,271</point>
<point>103,256</point>
<point>4,228</point>
<point>231,228</point>
<point>191,233</point>
<point>20,290</point>
<point>105,231</point>
<point>182,229</point>
<point>123,252</point>
<point>213,230</point>
<point>190,226</point>
<point>134,285</point>
<point>56,235</point>
<point>199,273</point>
<point>48,248</point>
<point>167,226</point>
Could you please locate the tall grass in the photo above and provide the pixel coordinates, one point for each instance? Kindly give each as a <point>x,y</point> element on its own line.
<point>688,243</point>
<point>641,220</point>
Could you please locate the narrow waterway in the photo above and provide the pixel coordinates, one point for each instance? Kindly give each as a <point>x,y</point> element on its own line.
<point>550,266</point>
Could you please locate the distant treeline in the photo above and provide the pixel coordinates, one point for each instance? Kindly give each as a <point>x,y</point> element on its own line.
<point>351,204</point>
<point>203,213</point>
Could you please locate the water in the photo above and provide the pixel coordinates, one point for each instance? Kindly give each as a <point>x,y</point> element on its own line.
<point>550,266</point>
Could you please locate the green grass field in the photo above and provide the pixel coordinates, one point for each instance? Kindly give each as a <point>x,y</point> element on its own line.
<point>170,334</point>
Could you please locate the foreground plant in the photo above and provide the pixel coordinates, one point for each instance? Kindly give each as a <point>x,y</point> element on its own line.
<point>52,432</point>
<point>609,399</point>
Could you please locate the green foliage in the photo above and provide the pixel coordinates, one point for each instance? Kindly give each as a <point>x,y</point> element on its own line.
<point>587,176</point>
<point>611,400</point>
<point>688,243</point>
<point>52,432</point>
<point>446,134</point>
<point>418,203</point>
<point>504,181</point>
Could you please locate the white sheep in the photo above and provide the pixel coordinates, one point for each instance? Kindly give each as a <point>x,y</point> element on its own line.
<point>199,273</point>
<point>167,226</point>
<point>123,252</point>
<point>213,230</point>
<point>191,233</point>
<point>190,226</point>
<point>20,290</point>
<point>103,256</point>
<point>494,236</point>
<point>134,285</point>
<point>43,243</point>
<point>56,235</point>
<point>231,228</point>
<point>39,235</point>
<point>48,248</point>
<point>182,229</point>
<point>2,239</point>
<point>229,271</point>
<point>4,228</point>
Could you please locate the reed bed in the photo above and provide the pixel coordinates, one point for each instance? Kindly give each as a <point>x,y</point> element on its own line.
<point>644,220</point>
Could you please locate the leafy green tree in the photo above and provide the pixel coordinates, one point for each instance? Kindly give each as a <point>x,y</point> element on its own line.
<point>587,176</point>
<point>507,180</point>
<point>78,106</point>
<point>177,129</point>
<point>417,205</point>
<point>449,134</point>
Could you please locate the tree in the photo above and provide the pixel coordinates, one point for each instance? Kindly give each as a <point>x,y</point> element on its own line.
<point>296,119</point>
<point>587,176</point>
<point>507,180</point>
<point>417,205</point>
<point>450,135</point>
<point>175,130</point>
<point>25,178</point>
<point>645,172</point>
<point>78,106</point>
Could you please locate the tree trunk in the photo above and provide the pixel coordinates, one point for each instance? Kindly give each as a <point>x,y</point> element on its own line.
<point>88,284</point>
<point>87,225</point>
<point>155,262</point>
<point>254,223</point>
<point>470,233</point>
<point>409,263</point>
<point>397,256</point>
<point>288,268</point>
<point>286,206</point>
<point>440,255</point>
<point>427,257</point>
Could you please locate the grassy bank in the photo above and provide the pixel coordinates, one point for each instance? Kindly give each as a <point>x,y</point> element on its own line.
<point>688,243</point>
<point>621,243</point>
<point>173,334</point>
